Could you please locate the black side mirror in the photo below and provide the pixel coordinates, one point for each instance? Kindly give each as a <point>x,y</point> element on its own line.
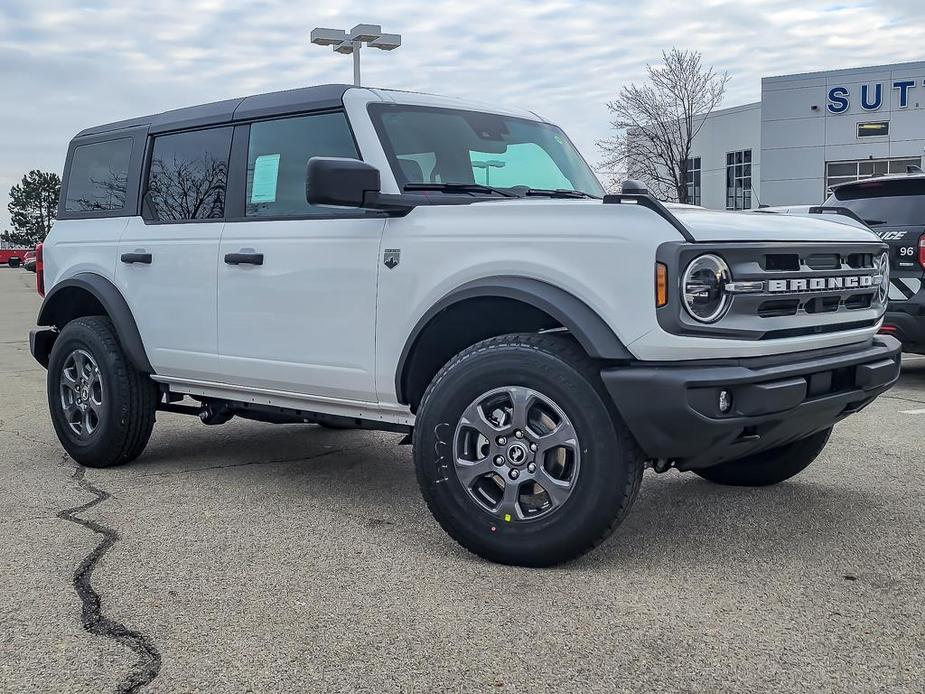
<point>342,182</point>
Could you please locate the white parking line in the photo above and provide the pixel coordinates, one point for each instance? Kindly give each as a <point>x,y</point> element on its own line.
<point>912,412</point>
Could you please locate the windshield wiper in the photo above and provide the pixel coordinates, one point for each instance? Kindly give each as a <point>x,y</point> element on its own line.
<point>558,193</point>
<point>460,188</point>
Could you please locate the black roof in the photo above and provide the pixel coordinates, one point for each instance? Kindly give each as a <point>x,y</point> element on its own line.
<point>324,96</point>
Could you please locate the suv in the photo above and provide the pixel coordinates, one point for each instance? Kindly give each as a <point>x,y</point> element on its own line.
<point>386,260</point>
<point>894,207</point>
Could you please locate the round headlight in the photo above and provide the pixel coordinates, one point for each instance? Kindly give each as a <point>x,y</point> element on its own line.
<point>883,268</point>
<point>704,288</point>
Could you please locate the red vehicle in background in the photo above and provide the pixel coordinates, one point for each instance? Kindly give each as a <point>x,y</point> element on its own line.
<point>13,256</point>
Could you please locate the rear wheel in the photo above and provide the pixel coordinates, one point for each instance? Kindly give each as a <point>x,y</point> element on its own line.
<point>769,467</point>
<point>101,407</point>
<point>14,262</point>
<point>518,455</point>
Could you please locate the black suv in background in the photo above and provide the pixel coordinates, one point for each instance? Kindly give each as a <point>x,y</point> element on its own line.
<point>894,207</point>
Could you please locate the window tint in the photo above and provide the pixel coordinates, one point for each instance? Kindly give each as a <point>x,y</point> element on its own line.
<point>99,176</point>
<point>896,203</point>
<point>277,161</point>
<point>188,175</point>
<point>525,164</point>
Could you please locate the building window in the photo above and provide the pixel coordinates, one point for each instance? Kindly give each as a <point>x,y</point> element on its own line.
<point>739,180</point>
<point>692,166</point>
<point>847,171</point>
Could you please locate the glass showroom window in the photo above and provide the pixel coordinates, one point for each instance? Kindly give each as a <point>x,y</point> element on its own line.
<point>693,180</point>
<point>739,180</point>
<point>847,171</point>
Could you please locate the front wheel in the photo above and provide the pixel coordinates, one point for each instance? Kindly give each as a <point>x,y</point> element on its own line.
<point>769,467</point>
<point>518,455</point>
<point>101,407</point>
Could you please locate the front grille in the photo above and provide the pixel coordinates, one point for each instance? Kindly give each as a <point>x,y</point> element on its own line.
<point>784,290</point>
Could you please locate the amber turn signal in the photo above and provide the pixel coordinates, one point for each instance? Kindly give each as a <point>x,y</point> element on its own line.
<point>661,285</point>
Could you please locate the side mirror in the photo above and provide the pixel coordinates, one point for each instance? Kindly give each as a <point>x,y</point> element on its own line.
<point>341,182</point>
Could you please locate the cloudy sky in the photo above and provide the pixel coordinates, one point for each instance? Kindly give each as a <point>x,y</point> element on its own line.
<point>68,64</point>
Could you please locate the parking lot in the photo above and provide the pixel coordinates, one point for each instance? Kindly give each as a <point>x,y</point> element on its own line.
<point>250,557</point>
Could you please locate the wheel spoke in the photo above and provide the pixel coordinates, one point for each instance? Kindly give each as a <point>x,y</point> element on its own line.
<point>468,471</point>
<point>521,400</point>
<point>509,505</point>
<point>558,491</point>
<point>564,435</point>
<point>474,417</point>
<point>85,422</point>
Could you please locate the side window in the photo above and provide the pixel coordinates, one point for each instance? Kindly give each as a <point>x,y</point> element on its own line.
<point>99,176</point>
<point>277,161</point>
<point>188,175</point>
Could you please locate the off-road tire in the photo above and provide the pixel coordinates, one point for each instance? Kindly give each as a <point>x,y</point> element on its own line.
<point>611,462</point>
<point>769,467</point>
<point>125,427</point>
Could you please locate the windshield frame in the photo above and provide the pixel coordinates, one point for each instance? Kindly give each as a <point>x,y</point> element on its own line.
<point>376,109</point>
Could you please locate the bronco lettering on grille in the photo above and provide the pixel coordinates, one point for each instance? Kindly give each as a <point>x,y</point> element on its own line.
<point>820,284</point>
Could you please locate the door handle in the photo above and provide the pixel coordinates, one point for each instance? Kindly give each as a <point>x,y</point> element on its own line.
<point>244,258</point>
<point>144,258</point>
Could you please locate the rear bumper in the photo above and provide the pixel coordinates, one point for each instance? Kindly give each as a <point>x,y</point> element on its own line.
<point>905,320</point>
<point>673,410</point>
<point>40,342</point>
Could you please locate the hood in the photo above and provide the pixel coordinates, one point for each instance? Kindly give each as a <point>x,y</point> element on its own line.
<point>718,225</point>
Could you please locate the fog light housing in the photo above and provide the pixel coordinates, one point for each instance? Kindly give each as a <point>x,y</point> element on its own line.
<point>725,401</point>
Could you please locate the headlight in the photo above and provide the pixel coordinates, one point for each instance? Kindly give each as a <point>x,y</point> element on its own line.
<point>704,288</point>
<point>883,268</point>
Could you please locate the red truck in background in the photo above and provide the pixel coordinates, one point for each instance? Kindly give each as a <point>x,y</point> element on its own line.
<point>13,256</point>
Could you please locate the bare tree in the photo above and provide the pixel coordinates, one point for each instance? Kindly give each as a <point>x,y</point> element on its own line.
<point>656,123</point>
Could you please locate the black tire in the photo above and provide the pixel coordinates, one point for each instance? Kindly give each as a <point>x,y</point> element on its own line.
<point>14,262</point>
<point>124,426</point>
<point>611,463</point>
<point>769,467</point>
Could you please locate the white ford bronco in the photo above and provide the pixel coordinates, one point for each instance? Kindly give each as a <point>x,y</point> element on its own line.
<point>368,258</point>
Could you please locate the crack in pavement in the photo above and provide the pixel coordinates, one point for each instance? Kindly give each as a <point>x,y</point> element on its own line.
<point>92,617</point>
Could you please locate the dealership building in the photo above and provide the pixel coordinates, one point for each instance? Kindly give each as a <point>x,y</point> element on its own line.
<point>809,132</point>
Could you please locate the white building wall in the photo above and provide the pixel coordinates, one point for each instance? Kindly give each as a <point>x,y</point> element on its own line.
<point>727,130</point>
<point>792,133</point>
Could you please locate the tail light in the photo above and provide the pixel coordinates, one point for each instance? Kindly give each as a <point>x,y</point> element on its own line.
<point>39,270</point>
<point>922,251</point>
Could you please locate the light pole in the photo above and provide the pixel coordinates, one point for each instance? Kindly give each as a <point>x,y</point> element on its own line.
<point>342,42</point>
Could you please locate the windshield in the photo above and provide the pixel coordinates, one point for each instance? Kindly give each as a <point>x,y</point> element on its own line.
<point>895,203</point>
<point>437,145</point>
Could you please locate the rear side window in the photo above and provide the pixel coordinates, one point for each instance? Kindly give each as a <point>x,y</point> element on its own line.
<point>896,203</point>
<point>98,178</point>
<point>277,161</point>
<point>188,175</point>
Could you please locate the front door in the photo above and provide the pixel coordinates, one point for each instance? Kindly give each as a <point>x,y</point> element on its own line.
<point>166,264</point>
<point>297,283</point>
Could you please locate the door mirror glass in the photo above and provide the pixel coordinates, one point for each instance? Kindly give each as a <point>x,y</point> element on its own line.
<point>340,182</point>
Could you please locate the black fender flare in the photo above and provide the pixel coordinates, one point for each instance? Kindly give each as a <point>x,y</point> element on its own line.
<point>113,303</point>
<point>592,333</point>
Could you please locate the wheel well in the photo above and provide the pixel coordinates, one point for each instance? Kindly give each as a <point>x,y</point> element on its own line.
<point>71,303</point>
<point>459,326</point>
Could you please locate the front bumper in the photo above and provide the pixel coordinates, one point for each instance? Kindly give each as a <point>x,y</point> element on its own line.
<point>673,409</point>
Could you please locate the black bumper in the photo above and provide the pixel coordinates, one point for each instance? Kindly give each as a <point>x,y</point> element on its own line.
<point>40,342</point>
<point>905,320</point>
<point>673,410</point>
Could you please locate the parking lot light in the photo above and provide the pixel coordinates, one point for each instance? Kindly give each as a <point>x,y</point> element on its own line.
<point>350,44</point>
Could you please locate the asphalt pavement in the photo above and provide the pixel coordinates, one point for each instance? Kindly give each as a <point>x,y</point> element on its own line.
<point>257,558</point>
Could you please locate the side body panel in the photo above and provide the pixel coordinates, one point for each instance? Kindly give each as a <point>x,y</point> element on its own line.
<point>88,245</point>
<point>174,298</point>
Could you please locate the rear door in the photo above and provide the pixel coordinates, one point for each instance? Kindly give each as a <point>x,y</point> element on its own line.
<point>296,283</point>
<point>167,261</point>
<point>895,210</point>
